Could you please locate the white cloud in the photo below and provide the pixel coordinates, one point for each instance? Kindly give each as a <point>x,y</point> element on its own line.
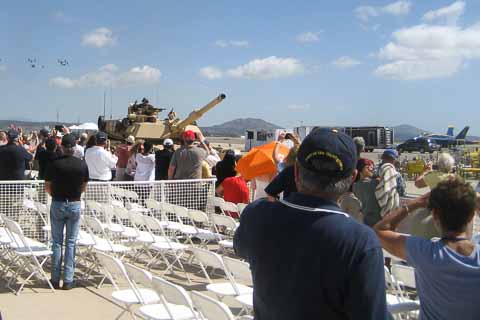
<point>232,43</point>
<point>308,37</point>
<point>145,75</point>
<point>108,75</point>
<point>397,8</point>
<point>268,68</point>
<point>449,14</point>
<point>99,38</point>
<point>429,51</point>
<point>345,62</point>
<point>298,107</point>
<point>211,73</point>
<point>60,16</point>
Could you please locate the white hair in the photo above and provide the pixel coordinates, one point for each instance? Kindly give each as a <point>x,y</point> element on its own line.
<point>445,162</point>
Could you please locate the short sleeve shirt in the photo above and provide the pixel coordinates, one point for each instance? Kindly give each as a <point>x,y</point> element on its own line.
<point>447,282</point>
<point>67,174</point>
<point>235,190</point>
<point>188,162</point>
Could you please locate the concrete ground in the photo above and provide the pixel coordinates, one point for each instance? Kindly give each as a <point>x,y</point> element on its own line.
<point>86,301</point>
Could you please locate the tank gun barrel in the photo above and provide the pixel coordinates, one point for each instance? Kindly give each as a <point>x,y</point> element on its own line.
<point>197,114</point>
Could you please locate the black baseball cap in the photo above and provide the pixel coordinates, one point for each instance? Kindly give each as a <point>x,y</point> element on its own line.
<point>328,152</point>
<point>44,132</point>
<point>68,141</point>
<point>101,136</point>
<point>12,134</point>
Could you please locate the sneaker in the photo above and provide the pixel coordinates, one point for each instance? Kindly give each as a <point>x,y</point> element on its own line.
<point>55,284</point>
<point>68,286</point>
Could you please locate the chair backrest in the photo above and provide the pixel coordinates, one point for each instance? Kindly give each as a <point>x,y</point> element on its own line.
<point>208,258</point>
<point>152,223</point>
<point>41,207</point>
<point>211,308</point>
<point>181,212</point>
<point>404,274</point>
<point>93,224</point>
<point>130,195</point>
<point>114,267</point>
<point>229,206</point>
<point>136,218</point>
<point>217,201</point>
<point>152,204</point>
<point>121,213</point>
<point>239,270</point>
<point>199,216</point>
<point>16,233</point>
<point>94,206</point>
<point>171,292</point>
<point>224,221</point>
<point>139,276</point>
<point>241,207</point>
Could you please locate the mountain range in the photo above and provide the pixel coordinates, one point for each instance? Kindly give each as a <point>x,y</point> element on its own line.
<point>233,128</point>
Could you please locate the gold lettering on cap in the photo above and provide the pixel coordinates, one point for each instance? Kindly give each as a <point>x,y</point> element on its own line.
<point>321,153</point>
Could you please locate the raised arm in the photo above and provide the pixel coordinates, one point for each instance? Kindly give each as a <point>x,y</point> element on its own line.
<point>392,241</point>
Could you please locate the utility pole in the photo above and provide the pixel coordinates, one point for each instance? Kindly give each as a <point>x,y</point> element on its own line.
<point>104,98</point>
<point>58,116</point>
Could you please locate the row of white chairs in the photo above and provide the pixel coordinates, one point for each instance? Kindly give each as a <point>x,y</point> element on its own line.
<point>158,298</point>
<point>21,254</point>
<point>226,206</point>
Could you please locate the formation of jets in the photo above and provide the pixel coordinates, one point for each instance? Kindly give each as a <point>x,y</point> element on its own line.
<point>34,64</point>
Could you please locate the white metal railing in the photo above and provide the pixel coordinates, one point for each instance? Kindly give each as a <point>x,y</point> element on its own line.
<point>27,202</point>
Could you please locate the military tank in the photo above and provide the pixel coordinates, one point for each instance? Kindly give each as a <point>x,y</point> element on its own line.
<point>143,122</point>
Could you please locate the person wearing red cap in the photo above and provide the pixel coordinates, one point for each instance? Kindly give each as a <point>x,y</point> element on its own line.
<point>186,162</point>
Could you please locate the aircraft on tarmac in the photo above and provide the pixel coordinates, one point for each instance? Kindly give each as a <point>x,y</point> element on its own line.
<point>449,140</point>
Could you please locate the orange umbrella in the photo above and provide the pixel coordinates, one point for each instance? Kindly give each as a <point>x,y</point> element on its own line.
<point>259,161</point>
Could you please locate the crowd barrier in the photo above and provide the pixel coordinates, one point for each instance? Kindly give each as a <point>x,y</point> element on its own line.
<point>27,202</point>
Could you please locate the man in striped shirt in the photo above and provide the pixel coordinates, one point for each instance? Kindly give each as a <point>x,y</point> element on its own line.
<point>386,191</point>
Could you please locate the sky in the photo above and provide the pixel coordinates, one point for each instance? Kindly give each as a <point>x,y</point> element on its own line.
<point>287,62</point>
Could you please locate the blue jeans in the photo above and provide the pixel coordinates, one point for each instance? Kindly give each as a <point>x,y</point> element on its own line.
<point>64,215</point>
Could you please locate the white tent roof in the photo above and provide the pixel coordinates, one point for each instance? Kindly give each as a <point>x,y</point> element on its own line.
<point>87,126</point>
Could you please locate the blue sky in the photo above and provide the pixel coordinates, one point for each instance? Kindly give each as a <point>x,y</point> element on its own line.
<point>288,62</point>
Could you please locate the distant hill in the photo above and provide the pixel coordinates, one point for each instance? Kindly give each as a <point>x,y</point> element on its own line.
<point>237,127</point>
<point>404,132</point>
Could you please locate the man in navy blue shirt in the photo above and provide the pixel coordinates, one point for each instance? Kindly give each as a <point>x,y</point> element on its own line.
<point>309,260</point>
<point>13,158</point>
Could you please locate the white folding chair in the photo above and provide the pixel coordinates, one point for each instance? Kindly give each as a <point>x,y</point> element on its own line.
<point>30,254</point>
<point>165,247</point>
<point>398,305</point>
<point>210,308</point>
<point>200,219</point>
<point>206,259</point>
<point>227,225</point>
<point>103,243</point>
<point>162,211</point>
<point>240,272</point>
<point>116,272</point>
<point>404,275</point>
<point>229,208</point>
<point>176,303</point>
<point>217,202</point>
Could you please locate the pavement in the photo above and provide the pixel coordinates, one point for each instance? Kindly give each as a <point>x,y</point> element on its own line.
<point>86,301</point>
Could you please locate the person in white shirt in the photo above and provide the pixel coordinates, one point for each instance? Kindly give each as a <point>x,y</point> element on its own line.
<point>145,163</point>
<point>100,160</point>
<point>213,158</point>
<point>78,150</point>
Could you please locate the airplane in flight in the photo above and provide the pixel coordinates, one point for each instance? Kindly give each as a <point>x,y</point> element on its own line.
<point>449,140</point>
